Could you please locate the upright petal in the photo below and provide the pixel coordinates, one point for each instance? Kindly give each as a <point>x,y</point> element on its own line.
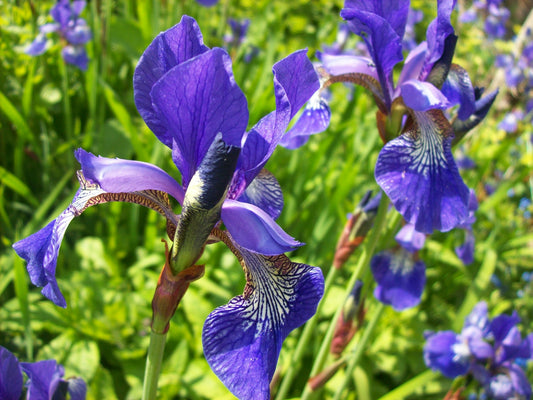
<point>10,376</point>
<point>242,339</point>
<point>254,230</point>
<point>265,193</point>
<point>170,48</point>
<point>295,81</point>
<point>438,30</point>
<point>418,173</point>
<point>196,100</point>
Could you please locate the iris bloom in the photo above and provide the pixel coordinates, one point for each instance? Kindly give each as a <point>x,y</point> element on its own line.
<point>45,380</point>
<point>187,95</point>
<point>71,28</point>
<point>487,349</point>
<point>415,168</point>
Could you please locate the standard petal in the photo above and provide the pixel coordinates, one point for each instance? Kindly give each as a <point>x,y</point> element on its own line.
<point>414,62</point>
<point>384,44</point>
<point>10,376</point>
<point>314,119</point>
<point>418,173</point>
<point>196,100</point>
<point>115,175</point>
<point>170,48</point>
<point>242,339</point>
<point>438,30</point>
<point>295,81</point>
<point>265,193</point>
<point>423,96</point>
<point>459,90</point>
<point>253,229</point>
<point>400,279</point>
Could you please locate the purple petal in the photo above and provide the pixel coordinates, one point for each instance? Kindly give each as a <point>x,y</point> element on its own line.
<point>207,3</point>
<point>348,64</point>
<point>395,12</point>
<point>414,62</point>
<point>49,28</point>
<point>255,230</point>
<point>115,175</point>
<point>459,90</point>
<point>79,33</point>
<point>43,378</point>
<point>521,383</point>
<point>423,96</point>
<point>295,81</point>
<point>242,339</point>
<point>10,376</point>
<point>482,107</point>
<point>410,239</point>
<point>439,355</point>
<point>196,100</point>
<point>466,251</point>
<point>314,119</point>
<point>62,13</point>
<point>400,279</point>
<point>38,46</point>
<point>501,325</point>
<point>478,318</point>
<point>77,389</point>
<point>265,193</point>
<point>77,6</point>
<point>76,55</point>
<point>170,48</point>
<point>438,30</point>
<point>418,173</point>
<point>384,44</point>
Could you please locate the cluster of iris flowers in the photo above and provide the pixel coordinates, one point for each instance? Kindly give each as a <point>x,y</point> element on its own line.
<point>188,97</point>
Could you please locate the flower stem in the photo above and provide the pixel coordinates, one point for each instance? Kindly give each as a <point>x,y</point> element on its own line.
<point>369,247</point>
<point>66,99</point>
<point>153,364</point>
<point>361,346</point>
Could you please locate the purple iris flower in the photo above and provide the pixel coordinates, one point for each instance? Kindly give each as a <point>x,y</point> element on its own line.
<point>45,380</point>
<point>71,28</point>
<point>494,14</point>
<point>488,350</point>
<point>415,169</point>
<point>188,97</point>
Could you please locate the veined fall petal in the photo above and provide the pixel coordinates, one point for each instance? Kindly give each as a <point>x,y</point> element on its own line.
<point>242,339</point>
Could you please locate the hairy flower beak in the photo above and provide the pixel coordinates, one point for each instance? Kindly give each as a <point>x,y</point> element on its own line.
<point>203,202</point>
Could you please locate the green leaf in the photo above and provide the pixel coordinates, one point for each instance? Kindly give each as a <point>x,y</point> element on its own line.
<point>15,184</point>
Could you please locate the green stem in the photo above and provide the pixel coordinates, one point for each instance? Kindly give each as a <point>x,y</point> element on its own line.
<point>361,346</point>
<point>154,360</point>
<point>308,332</point>
<point>66,100</point>
<point>364,261</point>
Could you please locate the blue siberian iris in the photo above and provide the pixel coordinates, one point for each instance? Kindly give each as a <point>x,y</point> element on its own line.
<point>188,97</point>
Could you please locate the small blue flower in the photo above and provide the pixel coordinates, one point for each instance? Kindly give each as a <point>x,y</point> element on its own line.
<point>187,95</point>
<point>70,27</point>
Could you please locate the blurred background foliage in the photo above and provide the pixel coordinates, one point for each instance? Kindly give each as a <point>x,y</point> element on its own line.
<point>111,256</point>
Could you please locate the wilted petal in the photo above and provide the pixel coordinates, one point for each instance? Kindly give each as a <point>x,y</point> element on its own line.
<point>265,193</point>
<point>410,239</point>
<point>10,376</point>
<point>115,175</point>
<point>170,48</point>
<point>242,339</point>
<point>43,378</point>
<point>423,96</point>
<point>295,81</point>
<point>439,354</point>
<point>76,55</point>
<point>314,119</point>
<point>400,279</point>
<point>253,229</point>
<point>196,100</point>
<point>418,173</point>
<point>38,46</point>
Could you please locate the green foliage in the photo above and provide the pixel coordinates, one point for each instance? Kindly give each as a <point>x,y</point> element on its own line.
<point>112,255</point>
